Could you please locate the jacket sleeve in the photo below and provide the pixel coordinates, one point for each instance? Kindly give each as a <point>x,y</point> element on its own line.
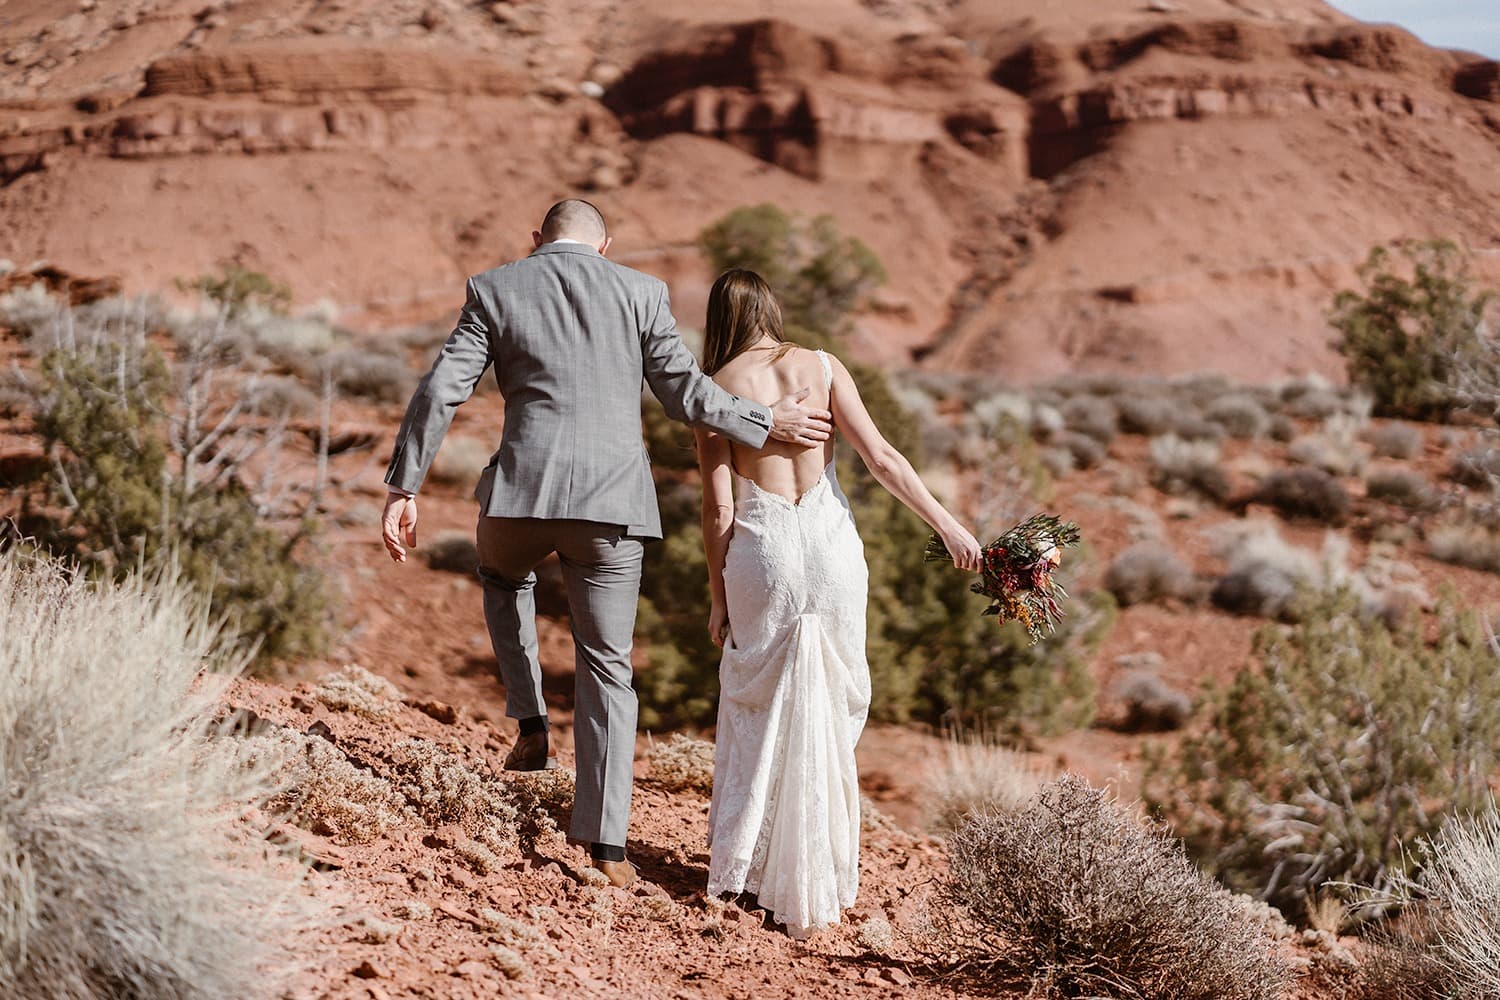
<point>462,361</point>
<point>689,395</point>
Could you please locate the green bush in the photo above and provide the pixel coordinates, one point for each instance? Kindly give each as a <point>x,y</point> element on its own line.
<point>931,654</point>
<point>123,497</point>
<point>1409,341</point>
<point>1331,760</point>
<point>239,288</point>
<point>819,274</point>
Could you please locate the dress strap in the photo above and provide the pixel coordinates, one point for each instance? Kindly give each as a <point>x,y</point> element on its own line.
<point>827,368</point>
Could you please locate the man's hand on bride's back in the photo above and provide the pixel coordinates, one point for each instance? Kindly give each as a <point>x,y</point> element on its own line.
<point>964,548</point>
<point>797,424</point>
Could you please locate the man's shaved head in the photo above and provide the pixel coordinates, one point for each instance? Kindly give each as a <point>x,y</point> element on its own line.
<point>574,219</point>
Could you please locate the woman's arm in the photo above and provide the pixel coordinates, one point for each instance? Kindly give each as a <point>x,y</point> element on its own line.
<point>718,521</point>
<point>891,469</point>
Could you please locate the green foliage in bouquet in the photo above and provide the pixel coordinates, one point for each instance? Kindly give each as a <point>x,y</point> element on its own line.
<point>1015,578</point>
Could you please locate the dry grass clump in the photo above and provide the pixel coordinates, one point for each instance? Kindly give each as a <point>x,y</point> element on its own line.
<point>1151,704</point>
<point>1477,468</point>
<point>1395,484</point>
<point>1093,417</point>
<point>1264,572</point>
<point>1240,415</point>
<point>1307,492</point>
<point>1085,451</point>
<point>1071,897</point>
<point>453,552</point>
<point>503,816</point>
<point>876,934</point>
<point>1182,466</point>
<point>522,937</point>
<point>1335,448</point>
<point>681,763</point>
<point>126,866</point>
<point>1148,572</point>
<point>1467,540</point>
<point>1148,415</point>
<point>355,689</point>
<point>367,374</point>
<point>461,460</point>
<point>412,909</point>
<point>1447,941</point>
<point>323,792</point>
<point>980,776</point>
<point>1393,440</point>
<point>510,963</point>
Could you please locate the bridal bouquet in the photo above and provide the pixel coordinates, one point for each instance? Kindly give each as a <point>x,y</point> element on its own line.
<point>1017,573</point>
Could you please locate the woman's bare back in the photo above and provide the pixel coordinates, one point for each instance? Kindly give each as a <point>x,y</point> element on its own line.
<point>788,470</point>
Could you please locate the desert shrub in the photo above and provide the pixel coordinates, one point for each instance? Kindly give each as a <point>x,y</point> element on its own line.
<point>1151,704</point>
<point>1190,426</point>
<point>1182,466</point>
<point>1467,539</point>
<point>30,309</point>
<point>1084,451</point>
<point>1264,573</point>
<point>1394,440</point>
<point>1446,942</point>
<point>1332,758</point>
<point>1148,572</point>
<point>150,466</point>
<point>1407,340</point>
<point>1281,428</point>
<point>352,688</point>
<point>1401,486</point>
<point>1149,415</point>
<point>1477,468</point>
<point>669,443</point>
<point>240,289</point>
<point>1326,454</point>
<point>453,552</point>
<point>1240,415</point>
<point>367,374</point>
<point>819,274</point>
<point>282,395</point>
<point>980,776</point>
<point>127,866</point>
<point>1093,417</point>
<point>680,763</point>
<point>1070,896</point>
<point>461,460</point>
<point>321,791</point>
<point>1308,493</point>
<point>1058,462</point>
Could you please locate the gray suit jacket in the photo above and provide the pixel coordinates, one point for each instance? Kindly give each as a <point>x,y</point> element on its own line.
<point>571,335</point>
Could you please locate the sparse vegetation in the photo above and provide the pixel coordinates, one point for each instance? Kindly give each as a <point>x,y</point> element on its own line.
<point>1329,761</point>
<point>1151,704</point>
<point>1306,492</point>
<point>981,776</point>
<point>1148,572</point>
<point>1396,484</point>
<point>1408,340</point>
<point>1071,897</point>
<point>130,867</point>
<point>1093,417</point>
<point>1469,539</point>
<point>1394,440</point>
<point>1182,466</point>
<point>453,552</point>
<point>1240,415</point>
<point>681,763</point>
<point>1148,415</point>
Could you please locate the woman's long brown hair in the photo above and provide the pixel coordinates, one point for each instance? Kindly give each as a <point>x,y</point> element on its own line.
<point>741,309</point>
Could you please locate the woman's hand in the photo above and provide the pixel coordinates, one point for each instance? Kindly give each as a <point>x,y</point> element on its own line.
<point>718,624</point>
<point>964,548</point>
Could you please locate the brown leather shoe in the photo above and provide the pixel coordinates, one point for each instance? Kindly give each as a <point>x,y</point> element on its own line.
<point>530,754</point>
<point>621,874</point>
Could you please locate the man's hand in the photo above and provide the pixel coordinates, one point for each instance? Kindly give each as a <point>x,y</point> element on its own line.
<point>797,424</point>
<point>398,524</point>
<point>964,548</point>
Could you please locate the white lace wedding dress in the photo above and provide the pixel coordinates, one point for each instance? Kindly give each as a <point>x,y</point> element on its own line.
<point>794,692</point>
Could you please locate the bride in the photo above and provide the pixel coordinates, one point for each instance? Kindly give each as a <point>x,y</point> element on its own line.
<point>789,585</point>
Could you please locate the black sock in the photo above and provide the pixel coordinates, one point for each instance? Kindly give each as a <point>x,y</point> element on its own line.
<point>532,726</point>
<point>606,852</point>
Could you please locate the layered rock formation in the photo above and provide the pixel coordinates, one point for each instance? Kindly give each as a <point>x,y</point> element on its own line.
<point>1097,185</point>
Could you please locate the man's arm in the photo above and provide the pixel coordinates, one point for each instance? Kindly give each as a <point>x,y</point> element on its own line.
<point>693,398</point>
<point>450,382</point>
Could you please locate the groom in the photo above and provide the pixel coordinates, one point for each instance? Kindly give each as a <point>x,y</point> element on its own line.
<point>571,336</point>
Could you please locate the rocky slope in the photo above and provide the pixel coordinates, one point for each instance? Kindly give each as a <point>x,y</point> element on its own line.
<point>1166,186</point>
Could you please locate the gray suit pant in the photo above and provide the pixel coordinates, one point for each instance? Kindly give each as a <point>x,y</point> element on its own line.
<point>602,571</point>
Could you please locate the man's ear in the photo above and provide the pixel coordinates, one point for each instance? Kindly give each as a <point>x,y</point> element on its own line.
<point>536,238</point>
<point>603,248</point>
